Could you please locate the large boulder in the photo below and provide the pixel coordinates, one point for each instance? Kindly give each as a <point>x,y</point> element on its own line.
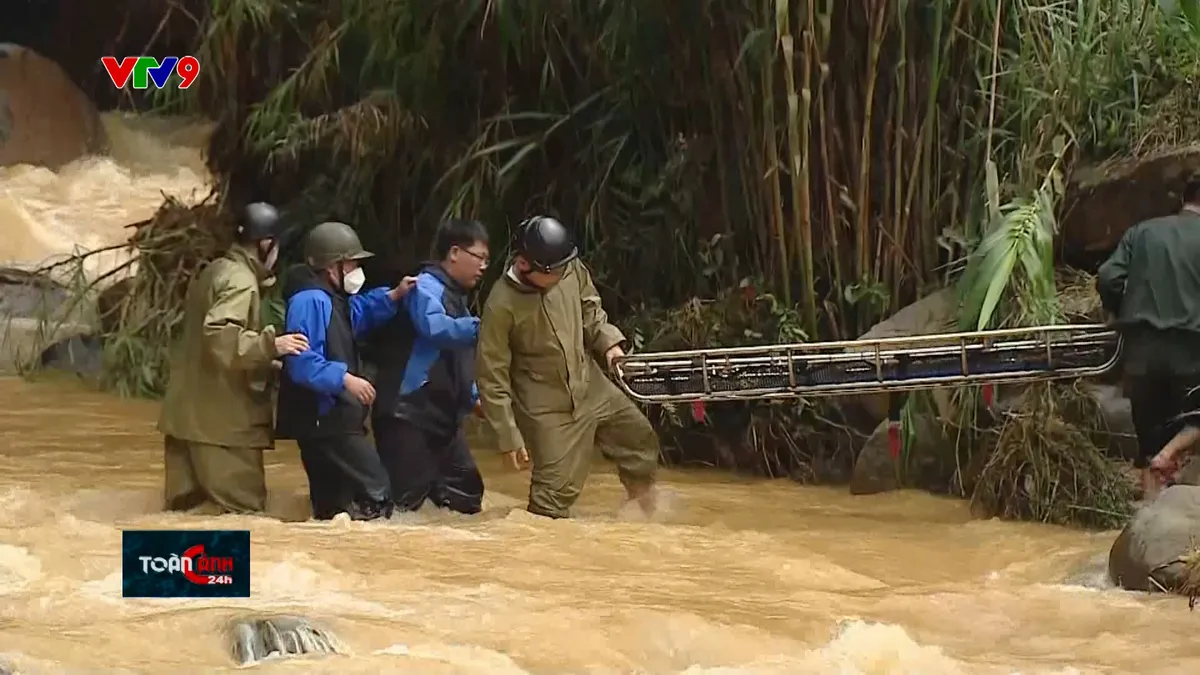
<point>44,118</point>
<point>36,313</point>
<point>930,315</point>
<point>1157,543</point>
<point>926,464</point>
<point>1106,199</point>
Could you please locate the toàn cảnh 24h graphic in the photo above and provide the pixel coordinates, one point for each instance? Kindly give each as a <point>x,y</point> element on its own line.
<point>143,70</point>
<point>185,563</point>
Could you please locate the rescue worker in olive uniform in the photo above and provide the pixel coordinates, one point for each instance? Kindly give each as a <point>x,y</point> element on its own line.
<point>542,390</point>
<point>324,399</point>
<point>216,416</point>
<point>1151,285</point>
<point>426,383</point>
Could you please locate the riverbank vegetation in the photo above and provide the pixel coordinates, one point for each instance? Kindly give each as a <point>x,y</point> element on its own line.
<point>740,172</point>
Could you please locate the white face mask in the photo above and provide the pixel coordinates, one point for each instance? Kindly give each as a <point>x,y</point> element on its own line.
<point>352,281</point>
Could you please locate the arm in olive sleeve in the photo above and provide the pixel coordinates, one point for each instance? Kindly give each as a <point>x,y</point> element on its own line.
<point>493,376</point>
<point>599,334</point>
<point>226,336</point>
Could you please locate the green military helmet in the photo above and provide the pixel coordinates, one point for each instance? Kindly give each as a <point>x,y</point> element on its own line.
<point>333,242</point>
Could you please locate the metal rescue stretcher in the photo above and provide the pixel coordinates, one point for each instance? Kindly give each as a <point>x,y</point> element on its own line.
<point>888,365</point>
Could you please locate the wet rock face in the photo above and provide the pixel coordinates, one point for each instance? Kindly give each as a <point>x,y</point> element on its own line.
<point>253,639</point>
<point>1107,199</point>
<point>44,118</point>
<point>1154,543</point>
<point>36,311</point>
<point>29,295</point>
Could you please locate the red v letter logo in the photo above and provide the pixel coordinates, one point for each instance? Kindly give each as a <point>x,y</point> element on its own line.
<point>119,72</point>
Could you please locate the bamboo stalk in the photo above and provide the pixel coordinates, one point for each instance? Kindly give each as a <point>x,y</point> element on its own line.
<point>770,170</point>
<point>877,26</point>
<point>798,106</point>
<point>817,50</point>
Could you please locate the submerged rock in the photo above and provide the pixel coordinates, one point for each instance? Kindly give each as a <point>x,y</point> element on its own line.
<point>82,355</point>
<point>1156,542</point>
<point>1092,573</point>
<point>925,466</point>
<point>254,639</point>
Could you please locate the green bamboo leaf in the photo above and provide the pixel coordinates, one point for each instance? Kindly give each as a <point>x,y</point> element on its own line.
<point>987,268</point>
<point>996,290</point>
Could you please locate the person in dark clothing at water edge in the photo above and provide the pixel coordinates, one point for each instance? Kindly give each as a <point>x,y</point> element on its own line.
<point>426,362</point>
<point>323,398</point>
<point>1151,286</point>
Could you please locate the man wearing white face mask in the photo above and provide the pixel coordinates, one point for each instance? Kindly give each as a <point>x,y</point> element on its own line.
<point>324,402</point>
<point>216,415</point>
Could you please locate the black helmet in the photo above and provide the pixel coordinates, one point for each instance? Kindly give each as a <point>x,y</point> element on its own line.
<point>545,243</point>
<point>333,242</point>
<point>259,221</point>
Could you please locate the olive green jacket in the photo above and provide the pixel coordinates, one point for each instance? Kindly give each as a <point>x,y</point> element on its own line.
<point>221,386</point>
<point>537,351</point>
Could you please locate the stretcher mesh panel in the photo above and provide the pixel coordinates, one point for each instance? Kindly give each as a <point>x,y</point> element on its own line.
<point>773,377</point>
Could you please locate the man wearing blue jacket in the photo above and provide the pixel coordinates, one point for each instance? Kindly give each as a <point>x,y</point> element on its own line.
<point>426,364</point>
<point>323,398</point>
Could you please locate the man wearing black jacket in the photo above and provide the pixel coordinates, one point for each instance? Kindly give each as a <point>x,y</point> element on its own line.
<point>1151,284</point>
<point>426,382</point>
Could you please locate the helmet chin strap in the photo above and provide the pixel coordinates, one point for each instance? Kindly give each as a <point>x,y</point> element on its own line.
<point>270,256</point>
<point>523,275</point>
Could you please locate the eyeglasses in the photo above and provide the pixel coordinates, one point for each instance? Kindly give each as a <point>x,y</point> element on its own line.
<point>483,259</point>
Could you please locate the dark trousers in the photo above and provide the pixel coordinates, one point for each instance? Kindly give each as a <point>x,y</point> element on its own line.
<point>424,464</point>
<point>1156,400</point>
<point>345,475</point>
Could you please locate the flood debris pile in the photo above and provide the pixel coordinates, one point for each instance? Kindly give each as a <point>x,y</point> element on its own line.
<point>1042,463</point>
<point>138,316</point>
<point>1053,452</point>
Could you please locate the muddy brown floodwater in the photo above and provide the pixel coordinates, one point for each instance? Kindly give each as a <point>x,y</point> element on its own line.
<point>740,576</point>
